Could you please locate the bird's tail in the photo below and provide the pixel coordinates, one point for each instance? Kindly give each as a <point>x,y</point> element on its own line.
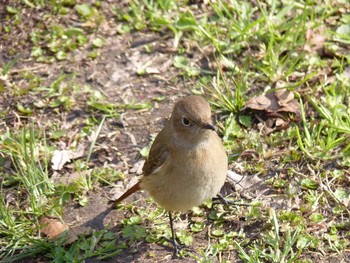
<point>129,192</point>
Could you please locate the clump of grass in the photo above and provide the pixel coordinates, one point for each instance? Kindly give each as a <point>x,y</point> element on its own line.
<point>29,175</point>
<point>27,194</point>
<point>248,47</point>
<point>270,249</point>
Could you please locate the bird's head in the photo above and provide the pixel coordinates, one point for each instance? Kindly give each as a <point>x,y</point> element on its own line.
<point>191,120</point>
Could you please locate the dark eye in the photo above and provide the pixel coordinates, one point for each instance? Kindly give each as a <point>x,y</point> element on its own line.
<point>185,121</point>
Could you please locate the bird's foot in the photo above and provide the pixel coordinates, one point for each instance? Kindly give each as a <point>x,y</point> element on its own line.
<point>177,247</point>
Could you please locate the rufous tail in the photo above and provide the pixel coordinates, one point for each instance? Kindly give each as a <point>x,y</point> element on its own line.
<point>129,192</point>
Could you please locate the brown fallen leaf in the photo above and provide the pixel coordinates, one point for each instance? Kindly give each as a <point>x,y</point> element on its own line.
<point>266,102</point>
<point>284,96</point>
<point>75,232</point>
<point>52,227</point>
<point>67,177</point>
<point>293,107</point>
<point>60,158</point>
<point>272,110</point>
<point>247,183</point>
<point>315,40</point>
<point>279,122</point>
<point>280,100</point>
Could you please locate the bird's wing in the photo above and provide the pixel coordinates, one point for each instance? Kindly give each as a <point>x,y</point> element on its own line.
<point>158,154</point>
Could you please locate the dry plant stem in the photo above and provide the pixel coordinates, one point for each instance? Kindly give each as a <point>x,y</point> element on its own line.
<point>227,202</point>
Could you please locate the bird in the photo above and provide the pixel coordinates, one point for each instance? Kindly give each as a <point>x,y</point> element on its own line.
<point>187,163</point>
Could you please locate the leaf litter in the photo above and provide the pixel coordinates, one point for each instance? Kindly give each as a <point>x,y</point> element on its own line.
<point>274,110</point>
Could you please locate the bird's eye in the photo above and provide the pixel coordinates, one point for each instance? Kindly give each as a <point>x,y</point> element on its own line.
<point>185,121</point>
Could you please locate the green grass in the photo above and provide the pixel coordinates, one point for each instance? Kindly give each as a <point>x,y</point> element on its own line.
<point>249,49</point>
<point>34,195</point>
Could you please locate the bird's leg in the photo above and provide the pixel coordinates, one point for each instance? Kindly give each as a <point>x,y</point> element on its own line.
<point>176,245</point>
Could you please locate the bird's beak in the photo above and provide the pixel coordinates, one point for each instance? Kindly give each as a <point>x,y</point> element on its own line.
<point>208,126</point>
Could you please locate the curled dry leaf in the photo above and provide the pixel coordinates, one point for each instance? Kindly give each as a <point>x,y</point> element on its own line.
<point>266,102</point>
<point>137,168</point>
<point>75,232</point>
<point>272,110</point>
<point>315,40</point>
<point>284,96</point>
<point>54,228</point>
<point>51,227</point>
<point>287,102</point>
<point>60,158</point>
<point>272,102</point>
<point>249,186</point>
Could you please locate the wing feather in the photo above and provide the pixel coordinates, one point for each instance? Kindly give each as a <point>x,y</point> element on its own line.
<point>158,154</point>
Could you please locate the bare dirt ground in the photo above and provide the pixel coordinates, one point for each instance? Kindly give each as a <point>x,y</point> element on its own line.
<point>114,73</point>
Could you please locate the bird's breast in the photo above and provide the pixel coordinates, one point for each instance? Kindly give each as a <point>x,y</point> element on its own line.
<point>189,176</point>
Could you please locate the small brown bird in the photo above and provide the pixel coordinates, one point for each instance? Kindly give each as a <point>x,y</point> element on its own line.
<point>187,163</point>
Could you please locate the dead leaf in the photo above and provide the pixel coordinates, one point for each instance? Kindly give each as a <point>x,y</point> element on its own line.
<point>272,110</point>
<point>149,63</point>
<point>152,70</point>
<point>293,107</point>
<point>280,100</point>
<point>137,167</point>
<point>51,227</point>
<point>280,122</point>
<point>267,102</point>
<point>119,189</point>
<point>75,232</point>
<point>116,191</point>
<point>59,158</point>
<point>234,177</point>
<point>248,182</point>
<point>132,138</point>
<point>66,178</point>
<point>79,152</point>
<point>284,96</point>
<point>346,73</point>
<point>4,82</point>
<point>315,40</point>
<point>54,228</point>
